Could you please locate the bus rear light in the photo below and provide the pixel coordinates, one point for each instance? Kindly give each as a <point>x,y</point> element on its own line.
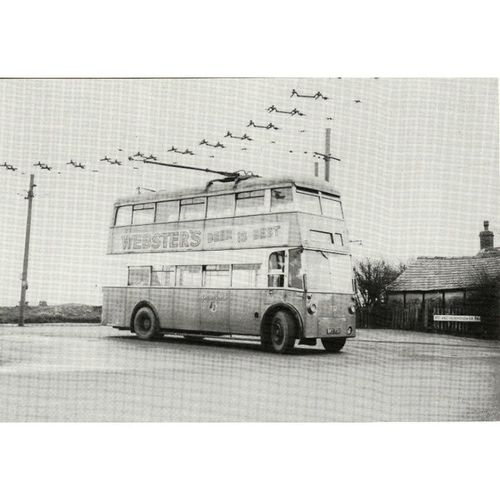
<point>352,309</point>
<point>349,331</point>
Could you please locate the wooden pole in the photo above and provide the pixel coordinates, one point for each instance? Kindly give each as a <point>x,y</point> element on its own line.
<point>24,277</point>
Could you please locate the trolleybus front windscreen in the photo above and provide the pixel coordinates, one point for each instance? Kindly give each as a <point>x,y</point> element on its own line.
<point>328,272</point>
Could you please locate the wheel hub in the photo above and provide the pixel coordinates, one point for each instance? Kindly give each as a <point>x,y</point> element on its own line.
<point>277,333</point>
<point>146,324</point>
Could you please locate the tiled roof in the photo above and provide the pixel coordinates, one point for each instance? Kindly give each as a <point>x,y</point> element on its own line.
<point>447,273</point>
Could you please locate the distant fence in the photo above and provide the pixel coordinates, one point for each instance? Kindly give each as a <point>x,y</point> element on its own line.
<point>456,320</point>
<point>401,318</point>
<point>407,318</point>
<point>377,317</point>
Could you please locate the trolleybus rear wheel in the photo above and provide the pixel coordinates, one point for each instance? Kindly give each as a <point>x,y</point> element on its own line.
<point>333,345</point>
<point>146,324</point>
<point>282,332</point>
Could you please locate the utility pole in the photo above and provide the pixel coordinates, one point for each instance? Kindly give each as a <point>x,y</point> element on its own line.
<point>24,278</point>
<point>328,133</point>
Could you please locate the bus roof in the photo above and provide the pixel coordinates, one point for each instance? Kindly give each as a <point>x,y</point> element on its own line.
<point>231,187</point>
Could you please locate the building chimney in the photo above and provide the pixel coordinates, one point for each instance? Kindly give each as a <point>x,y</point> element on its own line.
<point>486,237</point>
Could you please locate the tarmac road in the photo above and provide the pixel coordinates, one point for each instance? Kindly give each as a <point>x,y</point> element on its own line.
<point>93,373</point>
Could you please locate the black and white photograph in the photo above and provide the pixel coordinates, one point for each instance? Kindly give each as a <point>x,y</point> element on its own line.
<point>249,251</point>
<point>252,250</point>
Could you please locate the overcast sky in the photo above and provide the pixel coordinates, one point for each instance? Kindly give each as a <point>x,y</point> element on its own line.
<point>419,170</point>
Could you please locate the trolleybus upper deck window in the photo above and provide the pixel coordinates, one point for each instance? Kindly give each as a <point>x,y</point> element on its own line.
<point>250,202</point>
<point>193,208</point>
<point>307,202</point>
<point>167,211</point>
<point>123,216</point>
<point>220,206</point>
<point>281,199</point>
<point>331,207</point>
<point>143,213</point>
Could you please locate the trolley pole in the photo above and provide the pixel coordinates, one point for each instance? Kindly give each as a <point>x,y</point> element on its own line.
<point>24,277</point>
<point>328,134</point>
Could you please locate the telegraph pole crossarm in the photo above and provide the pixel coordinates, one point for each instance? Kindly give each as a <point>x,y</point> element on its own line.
<point>24,277</point>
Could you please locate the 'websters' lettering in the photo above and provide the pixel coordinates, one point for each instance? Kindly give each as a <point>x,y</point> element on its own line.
<point>157,241</point>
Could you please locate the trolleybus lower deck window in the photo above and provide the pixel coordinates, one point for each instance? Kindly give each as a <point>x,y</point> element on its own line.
<point>217,276</point>
<point>139,275</point>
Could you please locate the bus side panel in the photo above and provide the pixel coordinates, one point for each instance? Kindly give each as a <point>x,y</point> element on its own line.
<point>296,299</point>
<point>244,304</point>
<point>186,310</point>
<point>214,310</point>
<point>134,296</point>
<point>286,297</point>
<point>163,300</point>
<point>113,307</point>
<point>341,304</point>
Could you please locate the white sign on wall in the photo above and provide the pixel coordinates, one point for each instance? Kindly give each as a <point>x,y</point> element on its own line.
<point>457,317</point>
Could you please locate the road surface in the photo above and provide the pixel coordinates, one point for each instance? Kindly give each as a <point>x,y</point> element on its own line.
<point>93,373</point>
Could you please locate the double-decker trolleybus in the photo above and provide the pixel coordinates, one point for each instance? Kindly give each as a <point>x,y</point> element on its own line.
<point>262,257</point>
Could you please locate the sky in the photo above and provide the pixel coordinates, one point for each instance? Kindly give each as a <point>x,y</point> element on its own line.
<point>419,168</point>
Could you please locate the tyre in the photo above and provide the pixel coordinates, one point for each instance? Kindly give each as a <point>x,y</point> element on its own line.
<point>282,332</point>
<point>333,345</point>
<point>146,325</point>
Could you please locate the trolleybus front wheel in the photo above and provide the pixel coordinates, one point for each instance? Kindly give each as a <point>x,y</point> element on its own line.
<point>282,332</point>
<point>333,345</point>
<point>146,324</point>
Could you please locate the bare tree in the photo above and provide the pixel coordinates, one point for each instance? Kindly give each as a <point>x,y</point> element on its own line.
<point>484,298</point>
<point>373,276</point>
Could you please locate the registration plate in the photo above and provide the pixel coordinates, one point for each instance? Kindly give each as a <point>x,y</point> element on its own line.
<point>331,331</point>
